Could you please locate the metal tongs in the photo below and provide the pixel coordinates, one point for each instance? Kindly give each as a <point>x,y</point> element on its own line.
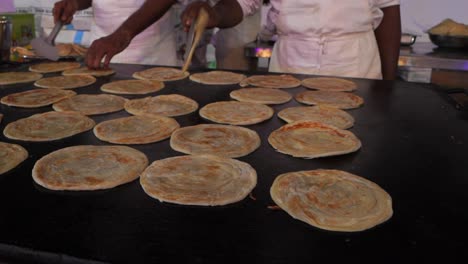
<point>194,36</point>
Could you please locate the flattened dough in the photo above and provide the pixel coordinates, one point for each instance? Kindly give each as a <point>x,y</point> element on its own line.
<point>261,95</point>
<point>340,100</point>
<point>323,114</point>
<point>36,98</point>
<point>86,71</point>
<point>217,77</point>
<point>11,155</point>
<point>91,104</point>
<point>18,77</point>
<point>65,82</point>
<point>236,113</point>
<point>57,66</point>
<point>329,84</point>
<point>132,87</point>
<point>162,74</point>
<point>273,81</point>
<point>166,105</point>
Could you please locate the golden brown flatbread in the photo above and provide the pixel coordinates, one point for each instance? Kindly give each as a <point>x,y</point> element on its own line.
<point>204,180</point>
<point>36,98</point>
<point>48,126</point>
<point>86,71</point>
<point>165,105</point>
<point>332,199</point>
<point>236,113</point>
<point>323,114</point>
<point>18,77</point>
<point>65,82</point>
<point>91,104</point>
<point>57,66</point>
<point>217,77</point>
<point>162,74</point>
<point>132,87</point>
<point>306,139</point>
<point>64,49</point>
<point>221,140</point>
<point>261,95</point>
<point>136,129</point>
<point>329,84</point>
<point>340,100</point>
<point>89,167</point>
<point>273,81</point>
<point>11,155</point>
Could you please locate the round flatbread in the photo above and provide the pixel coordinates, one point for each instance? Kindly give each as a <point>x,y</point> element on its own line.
<point>64,49</point>
<point>261,95</point>
<point>205,180</point>
<point>132,87</point>
<point>273,81</point>
<point>162,74</point>
<point>219,140</point>
<point>11,155</point>
<point>329,84</point>
<point>65,82</point>
<point>48,126</point>
<point>217,77</point>
<point>36,98</point>
<point>89,167</point>
<point>323,114</point>
<point>91,104</point>
<point>332,199</point>
<point>86,71</point>
<point>306,139</point>
<point>18,77</point>
<point>136,129</point>
<point>58,66</point>
<point>340,100</point>
<point>236,113</point>
<point>165,105</point>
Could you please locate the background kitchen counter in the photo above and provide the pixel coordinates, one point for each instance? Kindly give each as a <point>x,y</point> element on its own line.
<point>414,145</point>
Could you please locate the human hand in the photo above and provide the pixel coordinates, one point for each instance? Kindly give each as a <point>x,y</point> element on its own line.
<point>64,11</point>
<point>191,12</point>
<point>105,48</point>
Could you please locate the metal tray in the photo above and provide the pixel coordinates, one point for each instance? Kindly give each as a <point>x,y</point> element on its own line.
<point>445,41</point>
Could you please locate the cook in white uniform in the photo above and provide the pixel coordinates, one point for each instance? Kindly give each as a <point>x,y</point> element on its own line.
<point>332,37</point>
<point>125,32</point>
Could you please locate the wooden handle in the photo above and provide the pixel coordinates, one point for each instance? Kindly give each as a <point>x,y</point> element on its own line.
<point>200,25</point>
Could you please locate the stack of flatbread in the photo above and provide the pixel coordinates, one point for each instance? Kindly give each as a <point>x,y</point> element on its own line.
<point>217,77</point>
<point>132,87</point>
<point>329,84</point>
<point>162,74</point>
<point>205,180</point>
<point>11,155</point>
<point>18,77</point>
<point>220,140</point>
<point>58,66</point>
<point>236,113</point>
<point>48,126</point>
<point>332,200</point>
<point>91,104</point>
<point>261,95</point>
<point>86,71</point>
<point>89,167</point>
<point>340,100</point>
<point>36,98</point>
<point>306,139</point>
<point>272,81</point>
<point>323,114</point>
<point>65,82</point>
<point>166,105</point>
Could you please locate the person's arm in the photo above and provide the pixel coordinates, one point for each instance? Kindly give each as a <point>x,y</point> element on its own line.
<point>65,9</point>
<point>108,46</point>
<point>388,35</point>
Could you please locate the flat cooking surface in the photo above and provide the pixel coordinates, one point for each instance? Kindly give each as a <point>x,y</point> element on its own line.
<point>414,147</point>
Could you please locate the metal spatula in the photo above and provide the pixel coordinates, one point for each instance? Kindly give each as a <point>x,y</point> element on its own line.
<point>194,36</point>
<point>45,46</point>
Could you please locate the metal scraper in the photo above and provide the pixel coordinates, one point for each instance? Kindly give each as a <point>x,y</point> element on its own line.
<point>45,46</point>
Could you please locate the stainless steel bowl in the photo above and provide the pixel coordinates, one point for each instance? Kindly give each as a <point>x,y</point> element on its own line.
<point>445,41</point>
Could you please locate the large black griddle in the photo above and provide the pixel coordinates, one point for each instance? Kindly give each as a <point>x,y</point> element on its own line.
<point>414,145</point>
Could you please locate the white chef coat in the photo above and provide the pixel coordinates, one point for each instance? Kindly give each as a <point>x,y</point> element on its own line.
<point>325,37</point>
<point>155,45</point>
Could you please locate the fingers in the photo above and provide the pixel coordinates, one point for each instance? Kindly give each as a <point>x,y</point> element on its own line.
<point>64,11</point>
<point>104,49</point>
<point>189,15</point>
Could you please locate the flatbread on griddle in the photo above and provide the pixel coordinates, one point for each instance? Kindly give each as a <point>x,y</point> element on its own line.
<point>221,140</point>
<point>65,82</point>
<point>91,104</point>
<point>217,77</point>
<point>306,139</point>
<point>132,87</point>
<point>329,84</point>
<point>48,126</point>
<point>204,180</point>
<point>11,155</point>
<point>162,74</point>
<point>340,100</point>
<point>57,66</point>
<point>136,129</point>
<point>18,77</point>
<point>323,114</point>
<point>332,199</point>
<point>273,81</point>
<point>86,71</point>
<point>89,167</point>
<point>261,95</point>
<point>36,98</point>
<point>236,113</point>
<point>165,105</point>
